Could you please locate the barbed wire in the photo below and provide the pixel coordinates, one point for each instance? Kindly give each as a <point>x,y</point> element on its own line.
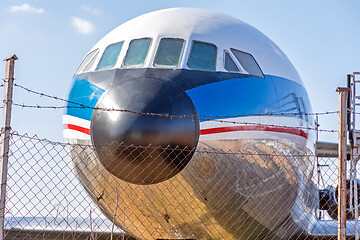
<point>45,107</point>
<point>63,144</point>
<point>36,138</point>
<point>200,117</point>
<point>168,115</point>
<point>124,110</point>
<point>165,115</point>
<point>193,117</point>
<point>48,96</point>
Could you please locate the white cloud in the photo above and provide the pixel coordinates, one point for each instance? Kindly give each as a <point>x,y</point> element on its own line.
<point>83,26</point>
<point>26,8</point>
<point>88,9</point>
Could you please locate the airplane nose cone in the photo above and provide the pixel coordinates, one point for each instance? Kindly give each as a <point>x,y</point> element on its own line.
<point>140,146</point>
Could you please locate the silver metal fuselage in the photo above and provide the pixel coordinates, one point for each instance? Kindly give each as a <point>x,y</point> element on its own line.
<point>247,189</point>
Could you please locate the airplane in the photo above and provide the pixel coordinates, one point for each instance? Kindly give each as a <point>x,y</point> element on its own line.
<point>200,128</point>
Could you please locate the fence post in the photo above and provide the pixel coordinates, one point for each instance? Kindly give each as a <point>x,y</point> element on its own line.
<point>5,135</point>
<point>343,97</point>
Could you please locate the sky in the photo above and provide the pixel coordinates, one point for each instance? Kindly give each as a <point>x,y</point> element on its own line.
<point>50,38</point>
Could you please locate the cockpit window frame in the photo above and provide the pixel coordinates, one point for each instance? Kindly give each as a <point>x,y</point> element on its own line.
<point>146,57</point>
<point>234,61</point>
<point>234,49</point>
<point>83,65</point>
<point>215,59</point>
<point>180,56</point>
<point>117,58</point>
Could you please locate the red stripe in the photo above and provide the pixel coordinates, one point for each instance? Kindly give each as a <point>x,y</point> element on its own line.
<point>294,131</point>
<point>77,128</point>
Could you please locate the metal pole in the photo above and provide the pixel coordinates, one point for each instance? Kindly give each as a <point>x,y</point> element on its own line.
<point>356,208</point>
<point>355,156</point>
<point>5,135</point>
<point>317,158</point>
<point>352,137</point>
<point>342,162</point>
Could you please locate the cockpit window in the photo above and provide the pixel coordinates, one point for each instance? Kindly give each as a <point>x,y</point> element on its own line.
<point>109,57</point>
<point>169,52</point>
<point>229,63</point>
<point>202,56</point>
<point>248,62</point>
<point>88,61</point>
<point>137,52</point>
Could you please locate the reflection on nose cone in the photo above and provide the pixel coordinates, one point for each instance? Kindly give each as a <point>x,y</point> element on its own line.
<point>140,147</point>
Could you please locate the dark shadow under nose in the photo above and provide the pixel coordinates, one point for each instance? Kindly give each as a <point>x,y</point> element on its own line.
<point>144,145</point>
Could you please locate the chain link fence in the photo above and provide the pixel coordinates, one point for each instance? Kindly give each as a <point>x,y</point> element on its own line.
<point>45,200</point>
<point>262,191</point>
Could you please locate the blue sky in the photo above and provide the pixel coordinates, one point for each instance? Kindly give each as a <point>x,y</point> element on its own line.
<point>321,38</point>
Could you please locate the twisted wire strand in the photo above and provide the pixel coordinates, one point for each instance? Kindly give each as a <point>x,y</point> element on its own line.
<point>125,110</point>
<point>200,117</point>
<point>63,144</point>
<point>172,116</point>
<point>192,117</point>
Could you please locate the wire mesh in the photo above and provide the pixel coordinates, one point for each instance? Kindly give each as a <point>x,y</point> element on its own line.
<point>262,190</point>
<point>45,199</point>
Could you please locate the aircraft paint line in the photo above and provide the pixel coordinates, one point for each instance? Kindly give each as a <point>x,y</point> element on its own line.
<point>77,128</point>
<point>293,131</point>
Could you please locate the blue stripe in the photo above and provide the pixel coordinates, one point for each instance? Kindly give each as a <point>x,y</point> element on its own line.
<point>252,96</point>
<point>86,93</point>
